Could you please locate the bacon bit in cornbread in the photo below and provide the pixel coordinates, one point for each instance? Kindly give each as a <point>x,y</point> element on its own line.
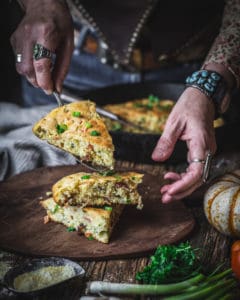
<point>46,219</point>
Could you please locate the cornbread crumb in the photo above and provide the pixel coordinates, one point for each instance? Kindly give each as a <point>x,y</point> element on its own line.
<point>46,219</point>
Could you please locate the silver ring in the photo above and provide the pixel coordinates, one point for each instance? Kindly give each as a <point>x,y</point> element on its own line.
<point>207,166</point>
<point>198,160</point>
<point>18,58</point>
<point>39,52</point>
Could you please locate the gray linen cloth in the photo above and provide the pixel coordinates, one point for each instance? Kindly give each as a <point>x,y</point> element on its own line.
<point>20,149</point>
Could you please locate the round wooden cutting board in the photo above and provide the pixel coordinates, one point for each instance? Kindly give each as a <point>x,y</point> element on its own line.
<point>137,232</point>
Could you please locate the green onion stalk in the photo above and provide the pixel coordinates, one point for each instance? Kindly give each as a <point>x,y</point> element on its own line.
<point>197,287</point>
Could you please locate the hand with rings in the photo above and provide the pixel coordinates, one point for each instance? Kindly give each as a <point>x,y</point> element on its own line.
<point>45,31</point>
<point>191,120</point>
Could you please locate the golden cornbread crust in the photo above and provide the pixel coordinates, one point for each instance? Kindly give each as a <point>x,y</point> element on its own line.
<point>84,189</point>
<point>78,129</point>
<point>96,223</point>
<point>151,115</point>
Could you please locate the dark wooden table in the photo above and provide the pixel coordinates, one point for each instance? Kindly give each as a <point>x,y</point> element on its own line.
<point>214,249</point>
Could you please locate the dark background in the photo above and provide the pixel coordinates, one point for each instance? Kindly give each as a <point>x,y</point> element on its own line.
<point>10,81</point>
<point>10,16</point>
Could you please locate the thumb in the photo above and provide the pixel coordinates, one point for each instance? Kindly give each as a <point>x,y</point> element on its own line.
<point>165,146</point>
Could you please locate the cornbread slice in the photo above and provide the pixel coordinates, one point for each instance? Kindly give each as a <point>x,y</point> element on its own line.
<point>150,113</point>
<point>78,129</point>
<point>90,189</point>
<point>96,223</point>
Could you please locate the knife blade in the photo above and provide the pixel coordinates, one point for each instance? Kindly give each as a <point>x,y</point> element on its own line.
<point>58,98</point>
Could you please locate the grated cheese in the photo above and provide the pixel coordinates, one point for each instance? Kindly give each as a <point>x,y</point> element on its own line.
<point>42,278</point>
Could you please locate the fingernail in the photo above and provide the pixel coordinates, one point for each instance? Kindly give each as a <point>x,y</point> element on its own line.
<point>47,92</point>
<point>157,153</point>
<point>166,199</point>
<point>59,89</point>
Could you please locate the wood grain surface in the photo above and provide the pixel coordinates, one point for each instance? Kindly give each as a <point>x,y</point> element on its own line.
<point>214,248</point>
<point>137,232</point>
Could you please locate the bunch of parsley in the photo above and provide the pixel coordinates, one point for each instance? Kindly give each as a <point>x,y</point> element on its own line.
<point>170,263</point>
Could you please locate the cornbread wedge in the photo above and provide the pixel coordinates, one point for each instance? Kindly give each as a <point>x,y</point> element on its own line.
<point>78,129</point>
<point>90,189</point>
<point>94,223</point>
<point>150,113</point>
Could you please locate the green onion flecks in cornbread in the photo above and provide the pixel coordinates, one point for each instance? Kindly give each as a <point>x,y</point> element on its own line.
<point>150,113</point>
<point>94,222</point>
<point>91,189</point>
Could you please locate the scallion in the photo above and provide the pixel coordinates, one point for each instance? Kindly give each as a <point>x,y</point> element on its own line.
<point>76,114</point>
<point>109,208</point>
<point>71,228</point>
<point>56,208</point>
<point>116,127</point>
<point>95,133</point>
<point>86,177</point>
<point>61,128</point>
<point>153,99</point>
<point>88,125</point>
<point>197,287</point>
<point>107,173</point>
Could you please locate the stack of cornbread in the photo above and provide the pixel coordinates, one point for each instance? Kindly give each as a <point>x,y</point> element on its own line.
<point>90,203</point>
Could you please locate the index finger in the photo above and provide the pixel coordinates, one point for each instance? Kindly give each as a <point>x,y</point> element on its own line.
<point>198,152</point>
<point>167,141</point>
<point>62,63</point>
